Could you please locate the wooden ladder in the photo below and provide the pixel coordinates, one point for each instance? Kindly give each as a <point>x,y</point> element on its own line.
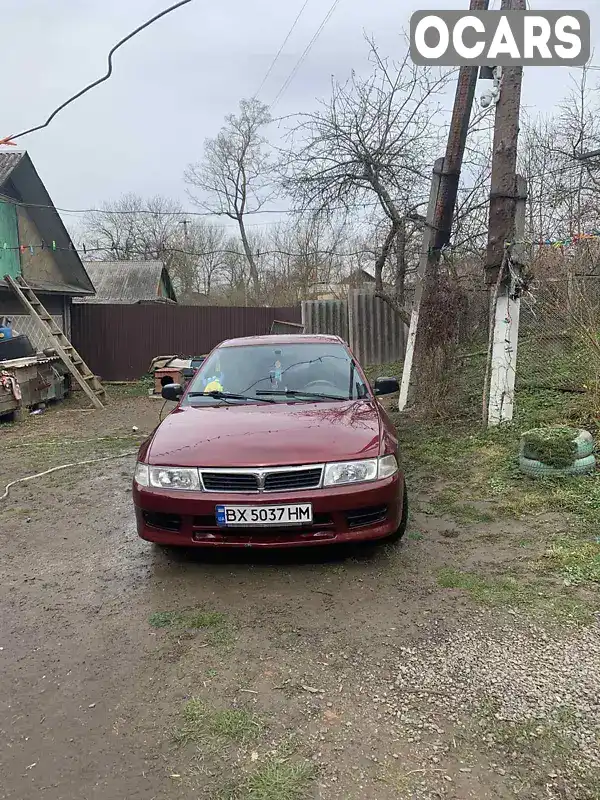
<point>65,350</point>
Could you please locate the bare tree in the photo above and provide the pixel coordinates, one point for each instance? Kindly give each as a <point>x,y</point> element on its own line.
<point>134,228</point>
<point>202,264</point>
<point>374,140</point>
<point>233,176</point>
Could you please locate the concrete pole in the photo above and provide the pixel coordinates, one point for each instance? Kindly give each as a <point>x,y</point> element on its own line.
<point>506,325</point>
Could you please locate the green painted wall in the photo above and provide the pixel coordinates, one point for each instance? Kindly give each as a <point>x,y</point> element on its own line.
<point>10,263</point>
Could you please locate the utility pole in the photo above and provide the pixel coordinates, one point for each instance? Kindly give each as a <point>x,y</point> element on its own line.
<point>503,194</point>
<point>455,150</point>
<point>504,259</point>
<point>438,229</point>
<point>502,361</point>
<point>185,223</point>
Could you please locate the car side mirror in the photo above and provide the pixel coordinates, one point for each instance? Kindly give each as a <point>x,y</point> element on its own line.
<point>172,391</point>
<point>386,386</point>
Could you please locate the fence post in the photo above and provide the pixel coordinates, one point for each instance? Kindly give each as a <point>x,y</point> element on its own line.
<point>506,313</point>
<point>421,276</point>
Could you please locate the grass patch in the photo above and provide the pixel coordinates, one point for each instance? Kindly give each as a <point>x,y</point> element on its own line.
<point>217,624</point>
<point>577,561</point>
<point>203,723</point>
<point>510,592</point>
<point>485,463</point>
<point>540,739</point>
<point>489,591</point>
<point>554,446</point>
<point>277,779</point>
<point>447,504</point>
<point>189,620</point>
<point>139,388</point>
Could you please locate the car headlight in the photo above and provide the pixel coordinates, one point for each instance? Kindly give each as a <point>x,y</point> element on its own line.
<point>167,477</point>
<point>370,469</point>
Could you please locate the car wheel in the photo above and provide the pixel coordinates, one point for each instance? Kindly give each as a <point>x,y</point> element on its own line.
<point>401,529</point>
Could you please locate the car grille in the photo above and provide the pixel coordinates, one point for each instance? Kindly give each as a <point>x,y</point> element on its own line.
<point>295,479</point>
<point>229,482</point>
<point>366,516</point>
<point>278,480</point>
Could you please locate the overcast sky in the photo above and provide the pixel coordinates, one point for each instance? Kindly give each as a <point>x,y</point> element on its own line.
<point>173,84</point>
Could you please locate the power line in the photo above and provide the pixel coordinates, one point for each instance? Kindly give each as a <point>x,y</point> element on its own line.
<point>307,50</point>
<point>9,140</point>
<point>197,254</point>
<point>279,52</point>
<point>187,213</point>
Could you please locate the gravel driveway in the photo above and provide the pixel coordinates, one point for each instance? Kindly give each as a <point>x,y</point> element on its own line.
<point>364,673</point>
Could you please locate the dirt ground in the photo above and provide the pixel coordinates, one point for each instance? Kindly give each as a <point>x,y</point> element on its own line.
<point>415,671</point>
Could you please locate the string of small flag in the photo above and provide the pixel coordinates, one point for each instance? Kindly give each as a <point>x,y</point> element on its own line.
<point>52,246</point>
<point>566,241</point>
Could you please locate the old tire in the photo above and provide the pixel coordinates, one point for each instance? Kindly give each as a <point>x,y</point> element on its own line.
<point>584,442</point>
<point>401,529</point>
<point>535,469</point>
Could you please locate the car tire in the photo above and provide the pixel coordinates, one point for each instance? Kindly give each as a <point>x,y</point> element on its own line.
<point>401,529</point>
<point>535,469</point>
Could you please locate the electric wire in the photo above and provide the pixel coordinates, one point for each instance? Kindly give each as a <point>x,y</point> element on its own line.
<point>9,140</point>
<point>307,50</point>
<point>301,210</point>
<point>279,52</point>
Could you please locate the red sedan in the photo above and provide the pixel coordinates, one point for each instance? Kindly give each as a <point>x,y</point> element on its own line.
<point>277,441</point>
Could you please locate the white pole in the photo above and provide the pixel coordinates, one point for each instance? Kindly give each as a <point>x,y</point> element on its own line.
<point>503,371</point>
<point>421,275</point>
<point>504,359</point>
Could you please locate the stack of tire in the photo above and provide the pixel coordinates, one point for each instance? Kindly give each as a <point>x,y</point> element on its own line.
<point>583,463</point>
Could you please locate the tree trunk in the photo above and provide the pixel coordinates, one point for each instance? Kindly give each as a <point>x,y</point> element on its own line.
<point>249,257</point>
<point>391,300</point>
<point>400,276</point>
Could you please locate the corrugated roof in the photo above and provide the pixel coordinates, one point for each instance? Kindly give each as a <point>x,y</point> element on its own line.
<point>126,281</point>
<point>9,159</point>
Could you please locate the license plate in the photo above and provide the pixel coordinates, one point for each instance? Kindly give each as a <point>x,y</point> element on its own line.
<point>264,515</point>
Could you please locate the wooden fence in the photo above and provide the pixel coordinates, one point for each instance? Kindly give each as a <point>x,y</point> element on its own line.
<point>370,326</point>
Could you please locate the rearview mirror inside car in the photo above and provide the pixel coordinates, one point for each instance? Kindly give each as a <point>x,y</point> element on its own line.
<point>172,391</point>
<point>386,386</point>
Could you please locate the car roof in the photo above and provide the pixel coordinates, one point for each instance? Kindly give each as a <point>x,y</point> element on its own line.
<point>275,339</point>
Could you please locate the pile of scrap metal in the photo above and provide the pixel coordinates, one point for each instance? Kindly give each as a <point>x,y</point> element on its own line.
<point>172,369</point>
<point>28,379</point>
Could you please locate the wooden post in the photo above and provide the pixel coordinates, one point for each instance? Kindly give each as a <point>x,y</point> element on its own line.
<point>504,162</point>
<point>506,324</point>
<point>421,277</point>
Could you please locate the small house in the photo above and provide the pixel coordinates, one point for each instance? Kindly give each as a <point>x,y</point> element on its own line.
<point>35,244</point>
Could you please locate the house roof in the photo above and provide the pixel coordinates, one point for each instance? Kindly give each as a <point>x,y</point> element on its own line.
<point>20,182</point>
<point>127,282</point>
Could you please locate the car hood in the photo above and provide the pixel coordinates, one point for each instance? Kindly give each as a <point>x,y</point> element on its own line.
<point>267,435</point>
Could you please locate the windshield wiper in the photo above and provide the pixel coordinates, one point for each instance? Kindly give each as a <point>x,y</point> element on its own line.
<point>300,393</point>
<point>216,395</point>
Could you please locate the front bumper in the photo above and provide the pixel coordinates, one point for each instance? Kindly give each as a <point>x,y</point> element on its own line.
<point>357,513</point>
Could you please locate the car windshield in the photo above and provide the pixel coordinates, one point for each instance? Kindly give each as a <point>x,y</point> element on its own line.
<point>303,372</point>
